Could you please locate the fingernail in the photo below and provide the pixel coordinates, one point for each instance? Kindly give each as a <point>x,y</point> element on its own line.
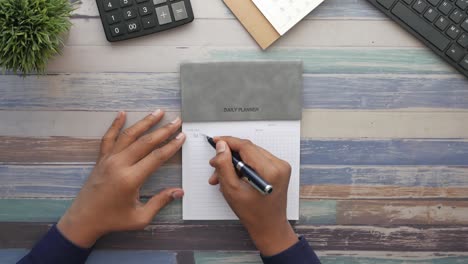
<point>180,136</point>
<point>177,194</point>
<point>220,147</point>
<point>120,114</point>
<point>176,121</point>
<point>156,113</point>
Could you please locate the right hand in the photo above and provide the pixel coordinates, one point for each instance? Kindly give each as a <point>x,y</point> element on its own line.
<point>264,217</point>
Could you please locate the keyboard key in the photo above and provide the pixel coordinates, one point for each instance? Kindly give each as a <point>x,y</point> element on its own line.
<point>386,3</point>
<point>113,18</point>
<point>164,16</point>
<point>133,26</point>
<point>431,14</point>
<point>141,1</point>
<point>457,16</point>
<point>180,13</point>
<point>464,25</point>
<point>463,4</point>
<point>463,40</point>
<point>445,7</point>
<point>145,10</point>
<point>419,6</point>
<point>117,30</point>
<point>420,26</point>
<point>125,3</point>
<point>130,13</point>
<point>434,2</point>
<point>453,32</point>
<point>464,63</point>
<point>148,22</point>
<point>158,2</point>
<point>442,23</point>
<point>408,2</point>
<point>455,52</point>
<point>111,4</point>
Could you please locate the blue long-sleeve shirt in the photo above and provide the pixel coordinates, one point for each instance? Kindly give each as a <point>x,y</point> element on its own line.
<point>54,248</point>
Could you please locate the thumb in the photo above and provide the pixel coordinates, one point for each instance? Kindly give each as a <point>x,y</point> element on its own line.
<point>223,162</point>
<point>162,199</point>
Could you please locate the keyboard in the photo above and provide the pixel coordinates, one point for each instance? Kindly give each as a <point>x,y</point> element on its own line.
<point>127,19</point>
<point>441,24</point>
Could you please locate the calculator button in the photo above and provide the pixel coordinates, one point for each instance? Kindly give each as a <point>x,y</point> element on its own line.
<point>111,4</point>
<point>113,18</point>
<point>180,13</point>
<point>164,17</point>
<point>117,30</point>
<point>148,22</point>
<point>157,2</point>
<point>145,10</point>
<point>130,13</point>
<point>133,27</point>
<point>125,3</point>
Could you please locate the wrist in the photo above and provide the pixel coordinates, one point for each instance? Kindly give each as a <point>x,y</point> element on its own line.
<point>78,232</point>
<point>274,240</point>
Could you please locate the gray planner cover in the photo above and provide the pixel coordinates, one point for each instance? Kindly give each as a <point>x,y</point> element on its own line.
<point>241,91</point>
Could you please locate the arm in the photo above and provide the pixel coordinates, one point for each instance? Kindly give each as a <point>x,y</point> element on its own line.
<point>109,200</point>
<point>264,217</point>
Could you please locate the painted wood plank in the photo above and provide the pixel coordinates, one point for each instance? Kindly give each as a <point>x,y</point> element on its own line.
<point>50,210</point>
<point>209,257</point>
<point>81,59</point>
<point>202,32</point>
<point>381,192</point>
<point>443,213</point>
<point>335,183</point>
<point>406,176</point>
<point>142,91</point>
<point>317,124</point>
<point>408,152</point>
<point>204,9</point>
<point>206,237</point>
<point>105,256</point>
<point>46,210</point>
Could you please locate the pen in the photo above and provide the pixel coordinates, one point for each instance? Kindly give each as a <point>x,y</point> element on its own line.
<point>247,172</point>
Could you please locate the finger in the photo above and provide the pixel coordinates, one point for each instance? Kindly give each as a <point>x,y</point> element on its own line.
<point>129,135</point>
<point>145,167</point>
<point>108,140</point>
<point>214,180</point>
<point>147,143</point>
<point>227,175</point>
<point>250,154</point>
<point>161,200</point>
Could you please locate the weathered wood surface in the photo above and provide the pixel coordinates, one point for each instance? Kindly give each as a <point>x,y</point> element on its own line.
<point>206,237</point>
<point>384,138</point>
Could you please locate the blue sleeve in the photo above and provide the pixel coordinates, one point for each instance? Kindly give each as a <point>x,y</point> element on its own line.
<point>54,248</point>
<point>300,253</point>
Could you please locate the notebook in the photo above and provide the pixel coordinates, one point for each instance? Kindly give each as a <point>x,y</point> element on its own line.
<point>260,101</point>
<point>268,20</point>
<point>284,14</point>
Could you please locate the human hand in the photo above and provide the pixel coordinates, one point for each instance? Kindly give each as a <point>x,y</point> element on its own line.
<point>109,200</point>
<point>264,217</point>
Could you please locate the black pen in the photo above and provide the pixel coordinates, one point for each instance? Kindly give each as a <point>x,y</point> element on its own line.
<point>247,172</point>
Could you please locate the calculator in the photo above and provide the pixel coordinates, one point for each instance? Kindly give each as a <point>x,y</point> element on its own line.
<point>127,19</point>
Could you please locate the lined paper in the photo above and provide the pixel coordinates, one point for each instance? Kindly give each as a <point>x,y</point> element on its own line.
<point>205,202</point>
<point>284,14</point>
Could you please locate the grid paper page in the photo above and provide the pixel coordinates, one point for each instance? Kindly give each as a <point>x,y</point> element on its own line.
<point>205,202</point>
<point>284,14</point>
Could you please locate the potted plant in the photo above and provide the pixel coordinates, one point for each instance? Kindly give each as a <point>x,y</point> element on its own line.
<point>31,32</point>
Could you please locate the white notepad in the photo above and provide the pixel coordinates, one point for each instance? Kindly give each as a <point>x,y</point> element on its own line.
<point>205,202</point>
<point>284,14</point>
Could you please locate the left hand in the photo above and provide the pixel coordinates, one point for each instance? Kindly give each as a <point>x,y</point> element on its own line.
<point>109,200</point>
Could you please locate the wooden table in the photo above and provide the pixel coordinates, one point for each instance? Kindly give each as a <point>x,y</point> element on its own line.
<point>384,142</point>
